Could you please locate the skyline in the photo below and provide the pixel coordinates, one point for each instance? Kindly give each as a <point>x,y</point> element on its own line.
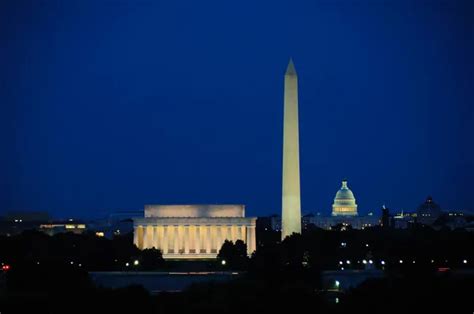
<point>108,109</point>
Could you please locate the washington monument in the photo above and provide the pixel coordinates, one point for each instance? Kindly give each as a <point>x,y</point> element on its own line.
<point>291,202</point>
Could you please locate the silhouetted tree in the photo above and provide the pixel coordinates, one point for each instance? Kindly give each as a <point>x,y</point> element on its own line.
<point>234,255</point>
<point>151,259</point>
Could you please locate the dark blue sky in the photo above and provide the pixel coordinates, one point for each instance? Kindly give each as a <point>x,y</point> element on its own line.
<point>109,105</point>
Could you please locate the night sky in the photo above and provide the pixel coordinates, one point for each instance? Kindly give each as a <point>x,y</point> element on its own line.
<point>110,105</point>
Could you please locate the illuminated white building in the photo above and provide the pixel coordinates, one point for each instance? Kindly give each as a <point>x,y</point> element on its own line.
<point>344,213</point>
<point>344,202</point>
<point>193,231</point>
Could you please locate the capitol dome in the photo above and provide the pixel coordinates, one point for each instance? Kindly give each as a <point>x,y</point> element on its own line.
<point>344,202</point>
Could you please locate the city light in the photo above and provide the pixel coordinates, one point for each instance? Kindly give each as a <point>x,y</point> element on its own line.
<point>382,262</point>
<point>340,263</point>
<point>223,262</point>
<point>337,283</point>
<point>348,262</point>
<point>401,262</point>
<point>464,261</point>
<point>127,264</point>
<point>364,262</point>
<point>367,245</point>
<point>136,262</point>
<point>370,261</point>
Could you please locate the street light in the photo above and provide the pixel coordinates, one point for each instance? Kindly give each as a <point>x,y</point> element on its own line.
<point>223,262</point>
<point>136,262</point>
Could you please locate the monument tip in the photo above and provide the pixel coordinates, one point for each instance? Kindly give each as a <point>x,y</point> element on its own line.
<point>290,70</point>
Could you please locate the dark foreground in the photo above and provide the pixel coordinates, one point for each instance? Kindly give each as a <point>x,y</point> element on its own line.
<point>72,291</point>
<point>423,271</point>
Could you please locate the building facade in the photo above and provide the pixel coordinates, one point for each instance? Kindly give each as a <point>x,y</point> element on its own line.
<point>193,231</point>
<point>52,228</point>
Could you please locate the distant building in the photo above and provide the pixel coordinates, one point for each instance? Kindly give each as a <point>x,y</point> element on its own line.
<point>453,220</point>
<point>428,212</point>
<point>307,221</point>
<point>403,220</point>
<point>275,222</point>
<point>53,228</point>
<point>116,224</point>
<point>385,221</point>
<point>193,231</point>
<point>264,224</point>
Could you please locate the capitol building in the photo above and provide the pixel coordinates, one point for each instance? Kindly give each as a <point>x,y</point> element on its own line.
<point>344,212</point>
<point>344,202</point>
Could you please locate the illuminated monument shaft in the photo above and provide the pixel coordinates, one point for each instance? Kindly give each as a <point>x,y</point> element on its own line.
<point>291,202</point>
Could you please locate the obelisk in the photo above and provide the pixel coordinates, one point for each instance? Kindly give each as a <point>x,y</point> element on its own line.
<point>291,202</point>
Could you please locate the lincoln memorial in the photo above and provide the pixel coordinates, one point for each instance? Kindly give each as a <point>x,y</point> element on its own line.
<point>193,231</point>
